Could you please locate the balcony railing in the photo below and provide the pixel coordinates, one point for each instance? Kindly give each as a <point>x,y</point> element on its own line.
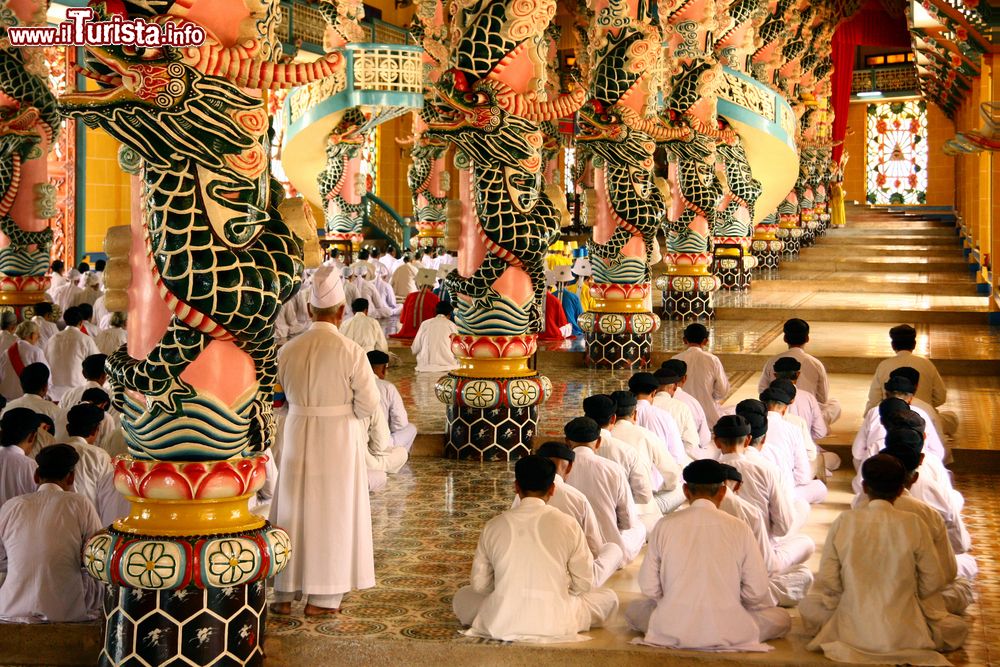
<point>885,79</point>
<point>303,24</point>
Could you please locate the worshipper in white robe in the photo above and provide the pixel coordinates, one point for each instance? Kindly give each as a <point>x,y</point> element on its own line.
<point>35,385</point>
<point>402,431</point>
<point>930,389</point>
<point>644,387</point>
<point>381,457</point>
<point>293,318</point>
<point>403,280</point>
<point>65,353</point>
<point>67,296</point>
<point>390,259</point>
<point>57,277</point>
<point>676,408</point>
<point>532,575</point>
<point>363,330</point>
<point>701,423</point>
<point>784,557</point>
<point>432,345</point>
<point>18,432</point>
<point>110,436</point>
<point>872,601</point>
<point>90,285</point>
<point>8,329</point>
<point>102,316</point>
<point>41,541</point>
<point>45,318</point>
<point>601,408</point>
<point>384,289</point>
<point>111,338</point>
<point>606,487</point>
<point>95,471</point>
<point>785,447</point>
<point>707,380</point>
<point>322,499</point>
<point>905,446</point>
<point>812,377</point>
<point>868,440</point>
<point>762,486</point>
<point>16,357</point>
<point>351,291</point>
<point>805,404</point>
<point>703,577</point>
<point>665,472</point>
<point>95,377</point>
<point>608,557</point>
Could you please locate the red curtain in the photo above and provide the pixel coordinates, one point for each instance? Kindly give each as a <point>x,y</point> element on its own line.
<point>871,26</point>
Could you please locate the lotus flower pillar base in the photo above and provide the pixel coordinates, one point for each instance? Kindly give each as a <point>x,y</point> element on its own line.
<point>687,292</point>
<point>193,598</point>
<point>619,330</point>
<point>492,399</point>
<point>733,263</point>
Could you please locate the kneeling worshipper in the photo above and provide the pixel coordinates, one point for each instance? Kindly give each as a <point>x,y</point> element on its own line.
<point>363,330</point>
<point>419,306</point>
<point>821,463</point>
<point>899,390</point>
<point>402,431</point>
<point>627,428</point>
<point>404,279</point>
<point>707,379</point>
<point>557,326</point>
<point>873,598</point>
<point>785,447</point>
<point>905,446</point>
<point>381,457</point>
<point>664,399</point>
<point>110,339</point>
<point>532,575</point>
<point>23,352</point>
<point>18,431</point>
<point>322,500</point>
<point>95,472</point>
<point>679,368</point>
<point>703,577</point>
<point>644,386</point>
<point>784,557</point>
<point>45,318</point>
<point>41,541</point>
<point>567,499</point>
<point>606,487</point>
<point>364,282</point>
<point>805,406</point>
<point>35,388</point>
<point>924,409</point>
<point>573,309</point>
<point>432,346</point>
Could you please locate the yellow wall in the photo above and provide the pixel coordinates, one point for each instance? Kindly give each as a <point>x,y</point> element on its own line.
<point>940,167</point>
<point>107,189</point>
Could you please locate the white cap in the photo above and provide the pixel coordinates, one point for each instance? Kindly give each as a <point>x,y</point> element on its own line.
<point>582,267</point>
<point>327,289</point>
<point>92,279</point>
<point>426,277</point>
<point>562,274</point>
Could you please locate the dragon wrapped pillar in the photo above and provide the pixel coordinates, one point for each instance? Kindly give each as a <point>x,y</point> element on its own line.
<point>29,125</point>
<point>428,180</point>
<point>493,102</point>
<point>692,77</point>
<point>628,208</point>
<point>206,265</point>
<point>343,210</point>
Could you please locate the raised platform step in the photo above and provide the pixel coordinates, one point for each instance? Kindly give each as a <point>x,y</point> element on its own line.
<point>873,251</point>
<point>921,240</point>
<point>784,281</point>
<point>891,229</point>
<point>828,314</point>
<point>886,265</point>
<point>847,279</point>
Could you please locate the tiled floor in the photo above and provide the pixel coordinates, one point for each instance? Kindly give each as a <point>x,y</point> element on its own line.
<point>427,522</point>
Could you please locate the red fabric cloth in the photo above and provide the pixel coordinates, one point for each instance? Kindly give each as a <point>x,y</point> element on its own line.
<point>871,26</point>
<point>555,317</point>
<point>419,306</point>
<point>14,354</point>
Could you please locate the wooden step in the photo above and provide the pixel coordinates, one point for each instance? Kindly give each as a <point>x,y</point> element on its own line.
<point>898,265</point>
<point>827,314</point>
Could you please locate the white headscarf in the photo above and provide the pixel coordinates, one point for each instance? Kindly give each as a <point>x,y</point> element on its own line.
<point>327,288</point>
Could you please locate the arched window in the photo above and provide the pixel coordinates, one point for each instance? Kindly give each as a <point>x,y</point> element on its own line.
<point>896,163</point>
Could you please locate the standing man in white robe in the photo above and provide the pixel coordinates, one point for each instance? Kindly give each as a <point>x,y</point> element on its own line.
<point>322,496</point>
<point>707,380</point>
<point>41,540</point>
<point>432,345</point>
<point>879,568</point>
<point>533,549</point>
<point>65,352</point>
<point>363,330</point>
<point>17,356</point>
<point>703,577</point>
<point>403,433</point>
<point>813,377</point>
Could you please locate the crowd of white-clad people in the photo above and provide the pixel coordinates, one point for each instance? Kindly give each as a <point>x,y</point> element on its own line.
<point>711,498</point>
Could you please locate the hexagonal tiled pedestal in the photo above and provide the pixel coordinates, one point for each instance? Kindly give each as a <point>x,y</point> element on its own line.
<point>688,305</point>
<point>793,241</point>
<point>489,434</point>
<point>618,350</point>
<point>186,626</point>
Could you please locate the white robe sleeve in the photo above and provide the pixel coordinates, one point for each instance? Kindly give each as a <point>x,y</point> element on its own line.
<point>366,396</point>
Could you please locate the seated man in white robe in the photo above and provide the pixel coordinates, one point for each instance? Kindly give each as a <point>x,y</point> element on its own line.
<point>785,446</point>
<point>45,318</point>
<point>806,414</point>
<point>95,471</point>
<point>679,368</point>
<point>664,399</point>
<point>708,382</point>
<point>879,570</point>
<point>402,431</point>
<point>65,353</point>
<point>41,541</point>
<point>432,345</point>
<point>363,330</point>
<point>532,575</point>
<point>381,457</point>
<point>110,436</point>
<point>23,352</point>
<point>110,339</point>
<point>923,408</point>
<point>636,465</point>
<point>8,329</point>
<point>18,431</point>
<point>364,282</point>
<point>403,280</point>
<point>606,487</point>
<point>813,377</point>
<point>35,385</point>
<point>644,386</point>
<point>95,376</point>
<point>784,557</point>
<point>569,500</point>
<point>703,579</point>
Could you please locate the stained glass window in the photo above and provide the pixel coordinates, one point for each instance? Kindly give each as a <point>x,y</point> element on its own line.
<point>897,153</point>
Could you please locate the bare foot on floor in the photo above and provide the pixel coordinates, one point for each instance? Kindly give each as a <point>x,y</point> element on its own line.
<point>312,610</point>
<point>281,608</point>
